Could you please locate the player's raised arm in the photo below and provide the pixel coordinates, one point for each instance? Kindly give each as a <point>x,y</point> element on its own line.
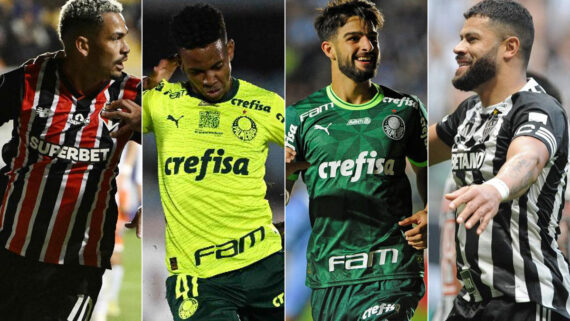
<point>164,70</point>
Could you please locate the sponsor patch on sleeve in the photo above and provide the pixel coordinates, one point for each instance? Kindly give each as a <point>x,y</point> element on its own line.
<point>538,117</point>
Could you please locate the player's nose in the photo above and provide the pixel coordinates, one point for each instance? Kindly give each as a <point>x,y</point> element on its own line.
<point>125,49</point>
<point>210,78</point>
<point>460,48</point>
<point>366,44</point>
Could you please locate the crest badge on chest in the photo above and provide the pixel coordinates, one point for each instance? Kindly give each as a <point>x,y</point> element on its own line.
<point>394,127</point>
<point>490,123</point>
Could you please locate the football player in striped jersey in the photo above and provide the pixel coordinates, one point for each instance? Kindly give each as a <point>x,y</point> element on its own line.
<point>508,146</point>
<point>58,210</point>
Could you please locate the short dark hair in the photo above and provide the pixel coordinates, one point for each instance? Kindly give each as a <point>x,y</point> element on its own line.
<point>197,26</point>
<point>515,19</point>
<point>81,16</point>
<point>337,13</point>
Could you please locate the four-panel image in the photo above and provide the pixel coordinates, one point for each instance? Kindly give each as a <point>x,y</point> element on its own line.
<point>323,160</point>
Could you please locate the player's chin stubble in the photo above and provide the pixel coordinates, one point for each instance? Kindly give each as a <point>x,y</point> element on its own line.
<point>348,68</point>
<point>480,72</point>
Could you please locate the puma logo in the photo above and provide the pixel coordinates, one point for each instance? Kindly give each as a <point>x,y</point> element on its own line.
<point>326,129</point>
<point>170,117</point>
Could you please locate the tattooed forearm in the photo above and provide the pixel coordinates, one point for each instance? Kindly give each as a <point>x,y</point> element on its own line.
<point>519,173</point>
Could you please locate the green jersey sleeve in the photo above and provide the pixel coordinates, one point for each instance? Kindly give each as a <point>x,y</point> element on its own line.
<point>416,151</point>
<point>293,139</point>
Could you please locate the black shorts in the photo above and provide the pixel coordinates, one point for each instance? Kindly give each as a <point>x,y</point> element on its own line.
<point>500,309</point>
<point>252,293</point>
<point>36,291</point>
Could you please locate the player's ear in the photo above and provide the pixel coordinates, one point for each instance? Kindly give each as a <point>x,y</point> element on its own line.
<point>82,45</point>
<point>328,49</point>
<point>230,47</point>
<point>512,46</point>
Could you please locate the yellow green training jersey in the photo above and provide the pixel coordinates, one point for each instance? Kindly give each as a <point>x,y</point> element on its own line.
<point>211,164</point>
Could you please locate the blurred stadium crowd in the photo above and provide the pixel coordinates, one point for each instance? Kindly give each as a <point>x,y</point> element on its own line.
<point>29,28</point>
<point>550,58</point>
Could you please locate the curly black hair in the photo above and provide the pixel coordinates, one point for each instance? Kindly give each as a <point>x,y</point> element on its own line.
<point>198,25</point>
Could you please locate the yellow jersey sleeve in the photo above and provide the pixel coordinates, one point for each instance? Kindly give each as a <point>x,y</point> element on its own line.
<point>276,123</point>
<point>148,100</point>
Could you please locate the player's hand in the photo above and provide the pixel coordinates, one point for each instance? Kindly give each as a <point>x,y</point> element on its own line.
<point>417,236</point>
<point>136,222</point>
<point>128,112</point>
<point>290,165</point>
<point>164,70</point>
<point>481,205</point>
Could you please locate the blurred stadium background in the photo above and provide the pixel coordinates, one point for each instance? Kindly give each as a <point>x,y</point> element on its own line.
<point>403,45</point>
<point>29,28</point>
<point>257,27</point>
<point>550,58</point>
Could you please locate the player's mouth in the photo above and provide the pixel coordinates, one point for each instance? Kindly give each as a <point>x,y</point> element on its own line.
<point>120,64</point>
<point>213,92</point>
<point>365,60</point>
<point>463,64</point>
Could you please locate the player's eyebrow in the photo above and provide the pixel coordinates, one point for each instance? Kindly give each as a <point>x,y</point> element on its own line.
<point>194,69</point>
<point>120,34</point>
<point>469,34</point>
<point>372,34</point>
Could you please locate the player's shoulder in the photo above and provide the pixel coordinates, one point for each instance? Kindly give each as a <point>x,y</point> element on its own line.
<point>165,89</point>
<point>524,100</point>
<point>393,93</point>
<point>253,97</point>
<point>166,86</point>
<point>314,100</point>
<point>130,78</point>
<point>247,88</point>
<point>127,82</point>
<point>399,98</point>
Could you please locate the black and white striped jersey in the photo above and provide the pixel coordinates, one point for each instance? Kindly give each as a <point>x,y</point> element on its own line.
<point>517,254</point>
<point>58,187</point>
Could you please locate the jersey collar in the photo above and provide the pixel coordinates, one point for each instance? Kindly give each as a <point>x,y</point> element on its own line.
<point>343,104</point>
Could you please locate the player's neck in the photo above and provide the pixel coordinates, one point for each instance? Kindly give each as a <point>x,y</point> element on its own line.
<point>500,87</point>
<point>353,92</point>
<point>80,77</point>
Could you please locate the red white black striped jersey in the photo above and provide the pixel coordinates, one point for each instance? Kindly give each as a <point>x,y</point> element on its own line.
<point>58,204</point>
<point>517,254</point>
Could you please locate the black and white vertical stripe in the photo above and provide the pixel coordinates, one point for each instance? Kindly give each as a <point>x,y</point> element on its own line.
<point>517,254</point>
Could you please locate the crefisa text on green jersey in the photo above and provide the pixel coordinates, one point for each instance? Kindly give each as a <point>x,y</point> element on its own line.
<point>355,168</point>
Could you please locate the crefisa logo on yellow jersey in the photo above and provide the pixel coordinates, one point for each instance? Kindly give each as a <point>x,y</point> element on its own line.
<point>191,164</point>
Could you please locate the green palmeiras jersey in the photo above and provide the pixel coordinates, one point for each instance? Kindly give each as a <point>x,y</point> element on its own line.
<point>358,189</point>
<point>211,164</point>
